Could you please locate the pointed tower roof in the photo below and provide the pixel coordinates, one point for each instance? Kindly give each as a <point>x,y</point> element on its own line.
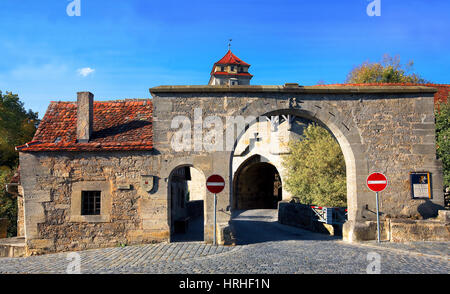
<point>230,58</point>
<point>230,70</point>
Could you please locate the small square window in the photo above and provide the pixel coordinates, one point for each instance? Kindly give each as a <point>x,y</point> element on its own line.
<point>90,202</point>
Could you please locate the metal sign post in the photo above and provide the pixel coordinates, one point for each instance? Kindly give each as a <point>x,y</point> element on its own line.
<point>377,182</point>
<point>215,184</point>
<point>378,219</point>
<point>215,218</point>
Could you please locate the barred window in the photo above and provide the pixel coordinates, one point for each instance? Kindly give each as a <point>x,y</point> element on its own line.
<point>90,202</point>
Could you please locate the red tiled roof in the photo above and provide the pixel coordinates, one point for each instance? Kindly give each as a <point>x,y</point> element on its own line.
<point>118,125</point>
<point>442,95</point>
<point>230,58</point>
<point>233,74</point>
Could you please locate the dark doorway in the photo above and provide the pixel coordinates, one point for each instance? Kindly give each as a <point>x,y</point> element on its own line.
<point>257,186</point>
<point>186,190</point>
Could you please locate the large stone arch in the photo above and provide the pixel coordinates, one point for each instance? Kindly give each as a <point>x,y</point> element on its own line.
<point>344,130</point>
<point>384,129</point>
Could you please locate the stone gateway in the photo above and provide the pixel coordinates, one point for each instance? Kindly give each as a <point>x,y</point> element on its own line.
<point>99,174</point>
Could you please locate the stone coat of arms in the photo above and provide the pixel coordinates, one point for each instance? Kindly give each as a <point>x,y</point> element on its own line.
<point>147,182</point>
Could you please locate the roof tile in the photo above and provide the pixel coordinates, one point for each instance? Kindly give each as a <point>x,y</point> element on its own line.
<point>118,125</point>
<point>230,58</point>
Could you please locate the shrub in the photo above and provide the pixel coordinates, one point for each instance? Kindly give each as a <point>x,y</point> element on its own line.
<point>316,169</point>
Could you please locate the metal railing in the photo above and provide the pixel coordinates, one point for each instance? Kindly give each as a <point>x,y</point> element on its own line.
<point>330,215</point>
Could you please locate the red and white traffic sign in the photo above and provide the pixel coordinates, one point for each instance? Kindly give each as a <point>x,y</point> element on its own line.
<point>215,184</point>
<point>377,182</point>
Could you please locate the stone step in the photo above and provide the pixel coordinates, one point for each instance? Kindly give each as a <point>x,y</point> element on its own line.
<point>12,247</point>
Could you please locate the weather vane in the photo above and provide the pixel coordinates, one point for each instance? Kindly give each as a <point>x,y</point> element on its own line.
<point>229,44</point>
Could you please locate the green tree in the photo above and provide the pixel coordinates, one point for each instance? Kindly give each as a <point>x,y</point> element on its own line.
<point>316,169</point>
<point>388,70</point>
<point>8,203</point>
<point>443,138</point>
<point>17,126</point>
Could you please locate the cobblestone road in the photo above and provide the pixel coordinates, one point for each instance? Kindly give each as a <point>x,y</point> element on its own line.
<point>266,247</point>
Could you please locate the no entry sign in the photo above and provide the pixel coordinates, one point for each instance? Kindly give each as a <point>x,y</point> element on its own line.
<point>215,184</point>
<point>377,182</point>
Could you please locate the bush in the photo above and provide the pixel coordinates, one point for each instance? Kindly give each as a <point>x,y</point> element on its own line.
<point>443,138</point>
<point>389,70</point>
<point>17,127</point>
<point>316,169</point>
<point>8,202</point>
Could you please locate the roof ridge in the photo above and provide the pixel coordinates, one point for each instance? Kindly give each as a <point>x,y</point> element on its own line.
<point>107,101</point>
<point>231,58</point>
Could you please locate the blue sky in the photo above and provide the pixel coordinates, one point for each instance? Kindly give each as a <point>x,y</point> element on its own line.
<point>137,44</point>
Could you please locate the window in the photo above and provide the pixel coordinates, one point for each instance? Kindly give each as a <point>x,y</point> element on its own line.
<point>90,202</point>
<point>232,68</point>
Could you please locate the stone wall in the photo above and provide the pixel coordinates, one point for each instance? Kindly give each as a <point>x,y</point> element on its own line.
<point>394,230</point>
<point>435,229</point>
<point>52,182</point>
<point>301,216</point>
<point>197,185</point>
<point>384,129</point>
<point>20,214</point>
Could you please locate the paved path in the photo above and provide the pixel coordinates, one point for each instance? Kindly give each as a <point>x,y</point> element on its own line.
<point>261,225</point>
<point>266,247</point>
<point>432,249</point>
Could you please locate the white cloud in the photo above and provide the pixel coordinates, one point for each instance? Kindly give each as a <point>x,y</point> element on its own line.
<point>85,71</point>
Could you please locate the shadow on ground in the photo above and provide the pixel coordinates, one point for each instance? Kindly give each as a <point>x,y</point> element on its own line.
<point>261,225</point>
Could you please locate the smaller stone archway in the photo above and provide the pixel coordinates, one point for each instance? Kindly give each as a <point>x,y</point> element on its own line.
<point>186,191</point>
<point>256,185</point>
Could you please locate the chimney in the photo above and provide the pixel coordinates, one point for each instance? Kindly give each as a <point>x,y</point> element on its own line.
<point>85,116</point>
